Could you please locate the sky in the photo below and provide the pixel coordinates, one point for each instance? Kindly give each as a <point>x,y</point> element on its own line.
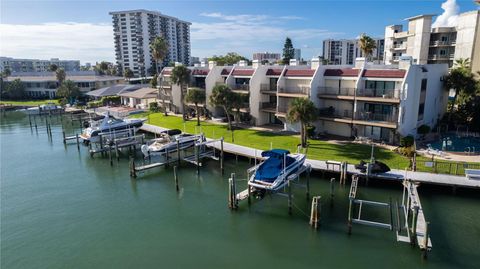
<point>82,30</point>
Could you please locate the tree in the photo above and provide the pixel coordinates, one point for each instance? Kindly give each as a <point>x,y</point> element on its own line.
<point>367,45</point>
<point>238,101</point>
<point>52,68</point>
<point>60,74</point>
<point>288,51</point>
<point>153,81</point>
<point>68,90</point>
<point>196,96</point>
<point>462,63</point>
<point>15,90</point>
<point>222,97</point>
<point>464,84</point>
<point>127,73</point>
<point>181,76</point>
<point>304,111</point>
<point>6,73</point>
<point>159,49</point>
<point>229,59</point>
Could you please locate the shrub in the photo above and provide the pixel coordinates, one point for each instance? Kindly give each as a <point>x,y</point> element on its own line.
<point>153,107</point>
<point>111,100</point>
<point>406,141</point>
<point>311,131</point>
<point>423,130</point>
<point>406,151</point>
<point>94,104</point>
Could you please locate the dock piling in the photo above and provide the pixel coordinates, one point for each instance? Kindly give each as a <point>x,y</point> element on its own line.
<point>332,190</point>
<point>413,232</point>
<point>307,191</point>
<point>178,152</point>
<point>78,142</point>
<point>175,177</point>
<point>232,193</point>
<point>63,134</point>
<point>221,155</point>
<point>289,185</point>
<point>315,212</point>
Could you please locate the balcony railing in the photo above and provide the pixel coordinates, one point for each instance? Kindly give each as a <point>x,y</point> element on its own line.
<point>383,93</point>
<point>400,46</point>
<point>442,43</point>
<point>331,112</point>
<point>441,57</point>
<point>268,105</point>
<point>241,87</point>
<point>295,90</point>
<point>379,117</point>
<point>336,91</point>
<point>267,87</point>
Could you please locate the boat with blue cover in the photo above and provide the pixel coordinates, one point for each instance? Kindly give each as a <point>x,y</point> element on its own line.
<point>273,173</point>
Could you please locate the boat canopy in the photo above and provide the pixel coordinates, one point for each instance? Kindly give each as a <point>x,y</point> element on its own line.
<point>277,153</point>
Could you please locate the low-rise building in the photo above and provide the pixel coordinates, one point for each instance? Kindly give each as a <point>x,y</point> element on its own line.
<point>45,84</point>
<point>36,65</point>
<point>140,98</point>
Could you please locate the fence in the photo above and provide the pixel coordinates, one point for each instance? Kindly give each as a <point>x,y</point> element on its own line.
<point>444,167</point>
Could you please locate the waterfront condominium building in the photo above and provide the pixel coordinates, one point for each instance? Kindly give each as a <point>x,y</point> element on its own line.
<point>267,57</point>
<point>345,51</point>
<point>134,30</point>
<point>429,45</point>
<point>382,102</point>
<point>35,65</point>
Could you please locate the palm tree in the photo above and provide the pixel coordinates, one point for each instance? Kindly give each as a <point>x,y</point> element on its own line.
<point>52,67</point>
<point>60,74</point>
<point>462,63</point>
<point>367,45</point>
<point>238,102</point>
<point>196,96</point>
<point>222,97</point>
<point>127,73</point>
<point>181,76</point>
<point>304,111</point>
<point>463,82</point>
<point>159,49</point>
<point>68,90</point>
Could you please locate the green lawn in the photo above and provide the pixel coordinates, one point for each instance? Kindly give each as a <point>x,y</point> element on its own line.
<point>319,150</point>
<point>29,102</point>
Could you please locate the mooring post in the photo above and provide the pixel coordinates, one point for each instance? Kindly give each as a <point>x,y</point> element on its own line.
<point>289,184</point>
<point>221,155</point>
<point>63,134</point>
<point>30,120</point>
<point>350,207</point>
<point>35,121</point>
<point>178,152</point>
<point>369,169</point>
<point>101,143</point>
<point>315,212</point>
<point>110,155</point>
<point>175,177</point>
<point>117,153</point>
<point>307,191</point>
<point>232,193</point>
<point>197,158</point>
<point>413,232</point>
<point>78,142</point>
<point>133,172</point>
<point>425,240</point>
<point>332,190</point>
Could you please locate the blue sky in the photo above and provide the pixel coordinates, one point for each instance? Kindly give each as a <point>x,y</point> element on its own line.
<point>82,29</point>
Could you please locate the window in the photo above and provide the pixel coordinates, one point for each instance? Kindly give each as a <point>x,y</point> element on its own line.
<point>443,52</point>
<point>423,87</point>
<point>421,109</point>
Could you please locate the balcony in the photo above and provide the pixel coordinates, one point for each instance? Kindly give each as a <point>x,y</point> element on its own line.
<point>440,43</point>
<point>268,107</point>
<point>333,91</point>
<point>268,89</point>
<point>441,57</point>
<point>299,91</point>
<point>340,115</point>
<point>402,46</point>
<point>241,88</point>
<point>379,95</point>
<point>376,119</point>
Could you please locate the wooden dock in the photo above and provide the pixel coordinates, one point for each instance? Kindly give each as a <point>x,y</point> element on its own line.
<point>327,166</point>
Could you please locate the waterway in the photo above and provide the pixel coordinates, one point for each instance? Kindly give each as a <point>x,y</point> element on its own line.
<point>60,208</point>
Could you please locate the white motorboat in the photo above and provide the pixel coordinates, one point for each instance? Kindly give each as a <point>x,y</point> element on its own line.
<point>110,127</point>
<point>170,141</point>
<point>45,108</point>
<point>273,173</point>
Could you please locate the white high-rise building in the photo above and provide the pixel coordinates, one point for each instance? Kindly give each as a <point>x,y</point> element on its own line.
<point>134,30</point>
<point>345,51</point>
<point>267,57</point>
<point>429,45</point>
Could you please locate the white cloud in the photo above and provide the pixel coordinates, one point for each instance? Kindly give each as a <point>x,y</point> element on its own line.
<point>449,16</point>
<point>247,33</point>
<point>77,41</point>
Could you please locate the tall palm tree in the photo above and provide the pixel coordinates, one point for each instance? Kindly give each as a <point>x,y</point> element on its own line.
<point>196,96</point>
<point>462,63</point>
<point>304,111</point>
<point>159,49</point>
<point>367,45</point>
<point>181,76</point>
<point>60,74</point>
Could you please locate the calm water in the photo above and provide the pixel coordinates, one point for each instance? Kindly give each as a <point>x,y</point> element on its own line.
<point>62,209</point>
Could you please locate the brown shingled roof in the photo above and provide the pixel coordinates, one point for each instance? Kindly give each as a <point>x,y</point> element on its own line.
<point>299,72</point>
<point>274,72</point>
<point>343,72</point>
<point>397,73</point>
<point>242,72</point>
